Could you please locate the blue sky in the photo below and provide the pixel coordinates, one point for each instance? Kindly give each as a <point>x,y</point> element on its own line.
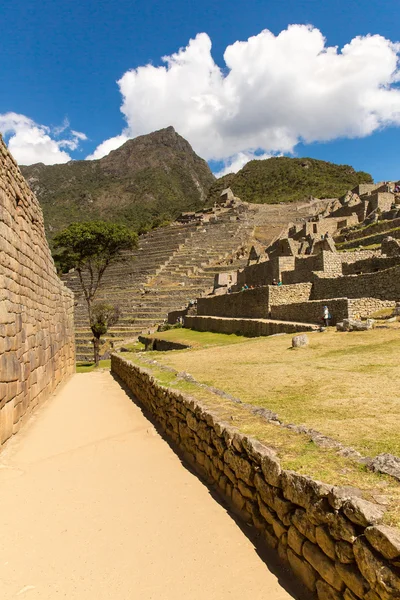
<point>61,62</point>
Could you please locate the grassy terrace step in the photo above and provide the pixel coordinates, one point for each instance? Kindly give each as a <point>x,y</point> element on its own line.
<point>298,387</point>
<point>370,240</point>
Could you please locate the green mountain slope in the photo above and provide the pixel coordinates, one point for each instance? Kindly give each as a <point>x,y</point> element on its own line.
<point>284,179</point>
<point>148,180</point>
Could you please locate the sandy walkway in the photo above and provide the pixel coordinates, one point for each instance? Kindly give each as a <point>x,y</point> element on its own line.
<point>95,505</point>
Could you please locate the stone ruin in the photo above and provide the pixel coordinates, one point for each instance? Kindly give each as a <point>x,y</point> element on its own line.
<point>312,273</point>
<point>37,349</point>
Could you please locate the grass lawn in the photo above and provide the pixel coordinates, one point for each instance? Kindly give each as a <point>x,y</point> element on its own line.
<point>199,339</point>
<point>345,385</point>
<point>256,372</point>
<point>87,367</point>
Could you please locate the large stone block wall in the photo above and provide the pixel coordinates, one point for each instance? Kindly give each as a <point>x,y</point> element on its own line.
<point>248,304</point>
<point>287,294</point>
<point>329,538</point>
<point>257,275</point>
<point>384,285</point>
<point>37,348</point>
<point>252,304</point>
<point>312,311</point>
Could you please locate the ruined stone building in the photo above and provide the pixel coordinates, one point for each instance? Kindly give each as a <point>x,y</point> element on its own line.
<point>36,309</point>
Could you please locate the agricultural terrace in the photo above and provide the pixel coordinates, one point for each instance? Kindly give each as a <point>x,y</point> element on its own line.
<point>344,385</point>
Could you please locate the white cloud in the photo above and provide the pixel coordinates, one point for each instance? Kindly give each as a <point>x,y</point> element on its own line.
<point>31,143</point>
<point>105,147</point>
<point>274,92</point>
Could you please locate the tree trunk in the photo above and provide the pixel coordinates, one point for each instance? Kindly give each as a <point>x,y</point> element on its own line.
<point>96,349</point>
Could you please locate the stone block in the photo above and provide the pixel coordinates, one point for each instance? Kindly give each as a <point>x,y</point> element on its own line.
<point>382,578</point>
<point>300,341</point>
<point>327,592</point>
<point>344,552</point>
<point>325,542</point>
<point>303,570</point>
<point>386,540</point>
<point>323,565</point>
<point>295,539</point>
<point>301,522</point>
<point>353,579</point>
<point>361,512</point>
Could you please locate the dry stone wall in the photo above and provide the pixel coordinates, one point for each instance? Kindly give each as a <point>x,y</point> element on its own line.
<point>246,327</point>
<point>36,309</point>
<point>331,540</point>
<point>312,311</point>
<point>250,304</point>
<point>384,285</point>
<point>254,303</point>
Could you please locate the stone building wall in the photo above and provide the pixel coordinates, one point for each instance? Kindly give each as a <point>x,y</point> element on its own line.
<point>251,304</point>
<point>312,311</point>
<point>330,539</point>
<point>384,285</point>
<point>36,309</point>
<point>258,275</point>
<point>370,265</point>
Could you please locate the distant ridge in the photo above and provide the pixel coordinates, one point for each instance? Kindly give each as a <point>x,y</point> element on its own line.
<point>148,180</point>
<point>284,179</point>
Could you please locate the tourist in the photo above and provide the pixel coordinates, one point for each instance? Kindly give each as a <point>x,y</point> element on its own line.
<point>326,316</point>
<point>279,283</point>
<point>274,282</point>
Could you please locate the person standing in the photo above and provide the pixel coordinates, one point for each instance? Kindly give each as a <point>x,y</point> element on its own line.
<point>326,316</point>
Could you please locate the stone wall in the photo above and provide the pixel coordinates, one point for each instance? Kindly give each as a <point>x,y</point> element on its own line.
<point>312,311</point>
<point>248,304</point>
<point>330,539</point>
<point>370,265</point>
<point>366,307</point>
<point>384,285</point>
<point>246,327</point>
<point>252,304</point>
<point>257,275</point>
<point>36,309</point>
<point>287,294</point>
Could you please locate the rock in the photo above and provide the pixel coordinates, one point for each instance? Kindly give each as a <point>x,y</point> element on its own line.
<point>301,522</point>
<point>341,529</point>
<point>348,595</point>
<point>361,512</point>
<point>326,592</point>
<point>271,468</point>
<point>240,466</point>
<point>295,539</point>
<point>379,575</point>
<point>303,570</point>
<point>356,325</point>
<point>300,341</point>
<point>353,579</point>
<point>384,539</point>
<point>344,552</point>
<point>325,542</point>
<point>339,494</point>
<point>323,565</point>
<point>303,490</point>
<point>386,463</point>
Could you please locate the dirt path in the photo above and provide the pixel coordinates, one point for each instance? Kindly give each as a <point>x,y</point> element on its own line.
<point>95,505</point>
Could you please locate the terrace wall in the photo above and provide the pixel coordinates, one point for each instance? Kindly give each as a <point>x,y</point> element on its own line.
<point>36,309</point>
<point>328,537</point>
<point>384,285</point>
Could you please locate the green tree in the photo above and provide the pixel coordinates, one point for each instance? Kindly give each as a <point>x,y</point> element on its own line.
<point>90,248</point>
<point>103,316</point>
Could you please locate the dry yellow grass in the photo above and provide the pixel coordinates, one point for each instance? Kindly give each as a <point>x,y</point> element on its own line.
<point>345,385</point>
<point>296,451</point>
